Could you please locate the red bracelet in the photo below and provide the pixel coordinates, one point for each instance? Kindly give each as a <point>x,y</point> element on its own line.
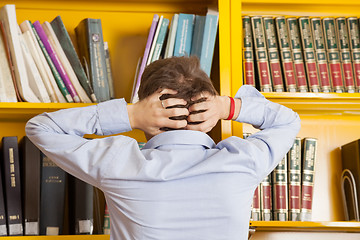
<point>232,109</point>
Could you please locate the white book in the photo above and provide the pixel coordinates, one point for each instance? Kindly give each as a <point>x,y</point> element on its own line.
<point>154,40</point>
<point>8,16</point>
<point>35,81</point>
<point>169,51</point>
<point>7,89</point>
<point>34,53</point>
<point>65,62</point>
<point>43,64</point>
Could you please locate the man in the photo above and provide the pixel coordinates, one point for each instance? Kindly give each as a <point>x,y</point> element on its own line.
<point>181,185</point>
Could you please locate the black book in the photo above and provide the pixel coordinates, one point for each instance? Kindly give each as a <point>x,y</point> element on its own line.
<point>30,176</point>
<point>52,200</point>
<point>3,227</point>
<point>81,219</point>
<point>350,179</point>
<point>12,188</point>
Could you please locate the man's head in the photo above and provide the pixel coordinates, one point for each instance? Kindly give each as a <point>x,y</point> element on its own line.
<point>182,74</point>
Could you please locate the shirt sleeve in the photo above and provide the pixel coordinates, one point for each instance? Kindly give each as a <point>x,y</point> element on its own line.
<point>279,126</point>
<point>60,136</point>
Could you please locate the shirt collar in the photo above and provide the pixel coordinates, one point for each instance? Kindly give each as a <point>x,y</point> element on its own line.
<point>180,137</point>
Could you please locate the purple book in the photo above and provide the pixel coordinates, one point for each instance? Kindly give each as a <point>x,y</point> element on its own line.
<point>59,67</point>
<point>146,54</point>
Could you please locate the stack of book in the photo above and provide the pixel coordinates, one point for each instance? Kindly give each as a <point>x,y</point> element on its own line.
<point>41,64</point>
<point>185,35</point>
<point>286,194</point>
<point>301,54</point>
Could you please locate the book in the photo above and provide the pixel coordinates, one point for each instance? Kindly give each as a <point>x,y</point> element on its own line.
<point>12,187</point>
<point>39,60</point>
<point>309,149</point>
<point>106,220</point>
<point>66,97</point>
<point>109,70</point>
<point>296,50</point>
<point>261,56</point>
<point>354,38</point>
<point>345,56</point>
<point>170,44</point>
<point>30,178</point>
<point>52,197</point>
<point>204,37</point>
<point>184,34</point>
<point>280,191</point>
<point>70,51</point>
<point>99,211</point>
<point>9,21</point>
<point>7,88</point>
<point>3,226</point>
<point>155,20</point>
<point>248,52</point>
<point>35,81</point>
<point>256,205</point>
<point>80,196</point>
<point>350,179</point>
<point>266,198</point>
<point>309,54</point>
<point>91,50</point>
<point>294,179</point>
<point>274,55</point>
<point>159,39</point>
<point>285,54</point>
<point>333,54</point>
<point>55,59</point>
<point>83,97</point>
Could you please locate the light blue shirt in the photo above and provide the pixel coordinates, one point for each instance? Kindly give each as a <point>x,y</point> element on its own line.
<point>181,185</point>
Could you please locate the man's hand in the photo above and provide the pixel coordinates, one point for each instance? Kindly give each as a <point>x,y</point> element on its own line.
<point>152,115</point>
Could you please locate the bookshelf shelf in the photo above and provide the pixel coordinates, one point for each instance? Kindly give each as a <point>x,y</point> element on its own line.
<point>60,237</point>
<point>341,226</point>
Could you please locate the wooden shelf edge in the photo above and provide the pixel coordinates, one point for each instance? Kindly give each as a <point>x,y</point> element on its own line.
<point>60,237</point>
<point>339,226</point>
<point>311,2</point>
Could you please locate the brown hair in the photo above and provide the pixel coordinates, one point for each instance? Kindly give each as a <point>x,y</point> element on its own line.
<point>182,74</point>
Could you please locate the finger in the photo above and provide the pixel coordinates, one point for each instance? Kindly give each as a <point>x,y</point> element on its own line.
<point>199,106</point>
<point>171,112</point>
<point>174,102</point>
<point>167,91</point>
<point>202,127</point>
<point>199,96</point>
<point>174,124</point>
<point>198,117</point>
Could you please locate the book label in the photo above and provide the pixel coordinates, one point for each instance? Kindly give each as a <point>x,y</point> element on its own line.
<point>335,70</point>
<point>249,73</point>
<point>312,75</point>
<point>300,75</point>
<point>348,76</point>
<point>306,199</point>
<point>276,74</point>
<point>264,73</point>
<point>357,73</point>
<point>324,74</point>
<point>289,73</point>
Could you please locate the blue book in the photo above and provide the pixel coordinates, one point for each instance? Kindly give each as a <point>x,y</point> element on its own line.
<point>169,52</point>
<point>184,35</point>
<point>163,29</point>
<point>204,39</point>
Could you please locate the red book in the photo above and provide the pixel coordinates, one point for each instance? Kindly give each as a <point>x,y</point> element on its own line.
<point>294,177</point>
<point>280,191</point>
<point>354,36</point>
<point>266,199</point>
<point>255,207</point>
<point>248,52</point>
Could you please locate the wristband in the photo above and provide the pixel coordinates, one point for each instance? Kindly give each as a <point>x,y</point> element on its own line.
<point>232,109</point>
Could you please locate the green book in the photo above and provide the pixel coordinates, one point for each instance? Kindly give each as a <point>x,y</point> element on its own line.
<point>70,52</point>
<point>91,49</point>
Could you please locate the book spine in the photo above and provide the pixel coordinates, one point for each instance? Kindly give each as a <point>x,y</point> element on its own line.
<point>333,54</point>
<point>285,54</point>
<point>56,61</point>
<point>266,199</point>
<point>321,57</point>
<point>273,52</point>
<point>255,207</point>
<point>345,56</point>
<point>308,171</point>
<point>106,221</point>
<point>294,177</point>
<point>280,191</point>
<point>309,54</point>
<point>11,171</point>
<point>3,227</point>
<point>296,50</point>
<point>248,53</point>
<point>184,35</point>
<point>109,70</point>
<point>261,54</point>
<point>160,40</point>
<point>354,37</point>
<point>55,72</point>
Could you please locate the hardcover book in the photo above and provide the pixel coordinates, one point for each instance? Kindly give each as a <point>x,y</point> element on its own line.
<point>170,44</point>
<point>52,200</point>
<point>261,56</point>
<point>296,50</point>
<point>256,205</point>
<point>309,149</point>
<point>184,35</point>
<point>159,43</point>
<point>350,179</point>
<point>354,38</point>
<point>12,187</point>
<point>285,54</point>
<point>3,227</point>
<point>266,199</point>
<point>106,221</point>
<point>345,56</point>
<point>320,54</point>
<point>71,54</point>
<point>109,70</point>
<point>30,176</point>
<point>152,48</point>
<point>294,178</point>
<point>248,52</point>
<point>280,191</point>
<point>91,49</point>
